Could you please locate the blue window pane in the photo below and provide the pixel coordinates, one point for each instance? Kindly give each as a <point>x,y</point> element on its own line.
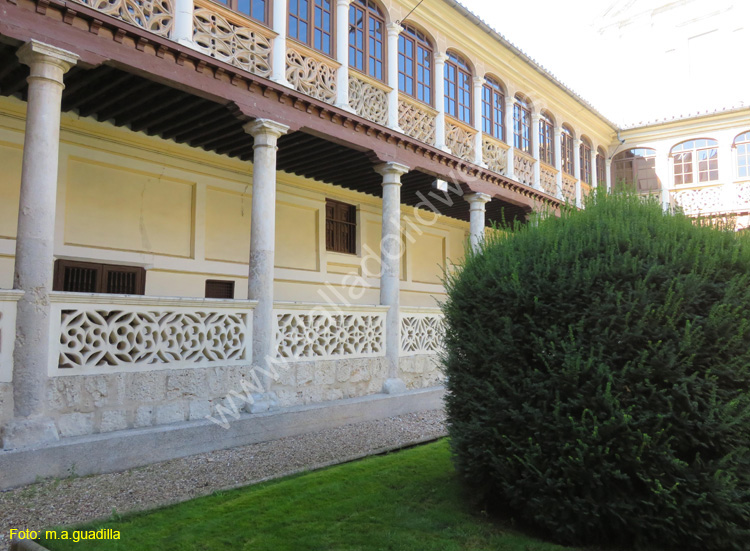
<point>259,10</point>
<point>243,6</point>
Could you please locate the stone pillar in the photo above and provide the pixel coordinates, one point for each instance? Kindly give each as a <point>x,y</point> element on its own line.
<point>535,118</point>
<point>342,54</point>
<point>594,167</point>
<point>262,246</point>
<point>558,159</point>
<point>477,202</point>
<point>577,169</point>
<point>663,171</point>
<point>390,269</point>
<point>183,22</point>
<point>34,266</point>
<point>440,101</point>
<point>394,30</point>
<point>608,174</point>
<point>510,171</point>
<point>477,107</point>
<point>278,51</point>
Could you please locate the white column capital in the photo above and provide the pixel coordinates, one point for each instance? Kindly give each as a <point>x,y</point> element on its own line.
<point>440,58</point>
<point>344,3</point>
<point>38,52</point>
<point>477,200</point>
<point>266,128</point>
<point>394,28</point>
<point>391,172</point>
<point>478,81</point>
<point>536,117</point>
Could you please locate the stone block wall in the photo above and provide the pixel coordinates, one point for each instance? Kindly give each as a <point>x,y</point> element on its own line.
<point>6,403</point>
<point>421,371</point>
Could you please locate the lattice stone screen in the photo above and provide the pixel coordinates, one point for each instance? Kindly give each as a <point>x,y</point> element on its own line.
<point>494,155</point>
<point>141,333</point>
<point>417,122</point>
<point>459,141</point>
<point>421,333</point>
<point>231,43</point>
<point>311,76</point>
<point>156,16</point>
<point>523,167</point>
<point>569,189</point>
<point>548,177</point>
<point>312,333</point>
<point>8,302</point>
<point>367,100</point>
<point>713,200</point>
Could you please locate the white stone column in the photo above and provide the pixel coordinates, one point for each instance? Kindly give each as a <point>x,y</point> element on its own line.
<point>608,174</point>
<point>663,173</point>
<point>262,246</point>
<point>390,269</point>
<point>278,51</point>
<point>535,118</point>
<point>342,54</point>
<point>183,22</point>
<point>394,30</point>
<point>594,167</point>
<point>510,162</point>
<point>477,108</point>
<point>440,101</point>
<point>577,169</point>
<point>34,265</point>
<point>558,160</point>
<point>477,208</point>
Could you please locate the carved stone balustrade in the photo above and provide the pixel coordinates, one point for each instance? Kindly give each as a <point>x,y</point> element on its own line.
<point>368,97</point>
<point>416,119</point>
<point>717,199</point>
<point>8,301</point>
<point>548,179</point>
<point>585,190</point>
<point>523,167</point>
<point>460,139</point>
<point>98,334</point>
<point>422,331</point>
<point>231,38</point>
<point>569,188</point>
<point>311,73</point>
<point>156,16</point>
<point>494,154</point>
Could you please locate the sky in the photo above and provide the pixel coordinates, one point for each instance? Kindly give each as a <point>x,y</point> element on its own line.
<point>635,60</point>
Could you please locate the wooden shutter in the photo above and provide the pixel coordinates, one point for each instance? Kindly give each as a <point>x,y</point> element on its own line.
<point>216,288</point>
<point>87,277</point>
<point>341,227</point>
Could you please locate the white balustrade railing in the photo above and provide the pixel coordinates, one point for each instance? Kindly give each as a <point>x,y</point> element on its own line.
<point>569,188</point>
<point>717,199</point>
<point>156,16</point>
<point>322,332</point>
<point>494,154</point>
<point>368,98</point>
<point>99,333</point>
<point>421,331</point>
<point>8,301</point>
<point>523,167</point>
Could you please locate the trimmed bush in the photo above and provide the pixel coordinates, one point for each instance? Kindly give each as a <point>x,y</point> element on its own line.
<point>599,372</point>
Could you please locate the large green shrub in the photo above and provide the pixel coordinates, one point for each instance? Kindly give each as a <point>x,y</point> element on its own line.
<point>599,372</point>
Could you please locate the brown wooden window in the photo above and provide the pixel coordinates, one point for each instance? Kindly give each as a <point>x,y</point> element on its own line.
<point>367,38</point>
<point>696,161</point>
<point>219,288</point>
<point>341,227</point>
<point>493,109</point>
<point>256,9</point>
<point>415,64</point>
<point>566,141</point>
<point>88,277</point>
<point>635,169</point>
<point>601,168</point>
<point>311,22</point>
<point>458,88</point>
<point>546,140</point>
<point>522,125</point>
<point>585,160</point>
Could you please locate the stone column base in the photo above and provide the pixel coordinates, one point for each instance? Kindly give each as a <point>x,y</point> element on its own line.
<point>28,432</point>
<point>394,386</point>
<point>262,403</point>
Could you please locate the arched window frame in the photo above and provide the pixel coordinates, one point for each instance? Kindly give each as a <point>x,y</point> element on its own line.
<point>459,88</point>
<point>695,162</point>
<point>522,124</point>
<point>601,166</point>
<point>493,108</point>
<point>567,150</point>
<point>367,39</point>
<point>585,161</point>
<point>639,169</point>
<point>258,10</point>
<point>546,139</point>
<point>416,57</point>
<point>313,23</point>
<point>742,153</point>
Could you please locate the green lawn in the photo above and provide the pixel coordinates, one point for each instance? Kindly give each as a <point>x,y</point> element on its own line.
<point>409,500</point>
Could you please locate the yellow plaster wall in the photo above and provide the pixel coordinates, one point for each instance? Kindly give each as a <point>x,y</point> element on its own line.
<point>228,225</point>
<point>11,155</point>
<point>297,236</point>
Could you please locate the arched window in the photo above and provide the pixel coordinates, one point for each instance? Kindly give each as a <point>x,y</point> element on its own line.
<point>493,109</point>
<point>546,139</point>
<point>458,88</point>
<point>742,144</point>
<point>696,161</point>
<point>367,38</point>
<point>311,22</point>
<point>566,142</point>
<point>635,169</point>
<point>257,9</point>
<point>601,166</point>
<point>415,64</point>
<point>522,124</point>
<point>585,160</point>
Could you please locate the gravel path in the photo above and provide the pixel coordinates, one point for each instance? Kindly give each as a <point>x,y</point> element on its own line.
<point>74,500</point>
